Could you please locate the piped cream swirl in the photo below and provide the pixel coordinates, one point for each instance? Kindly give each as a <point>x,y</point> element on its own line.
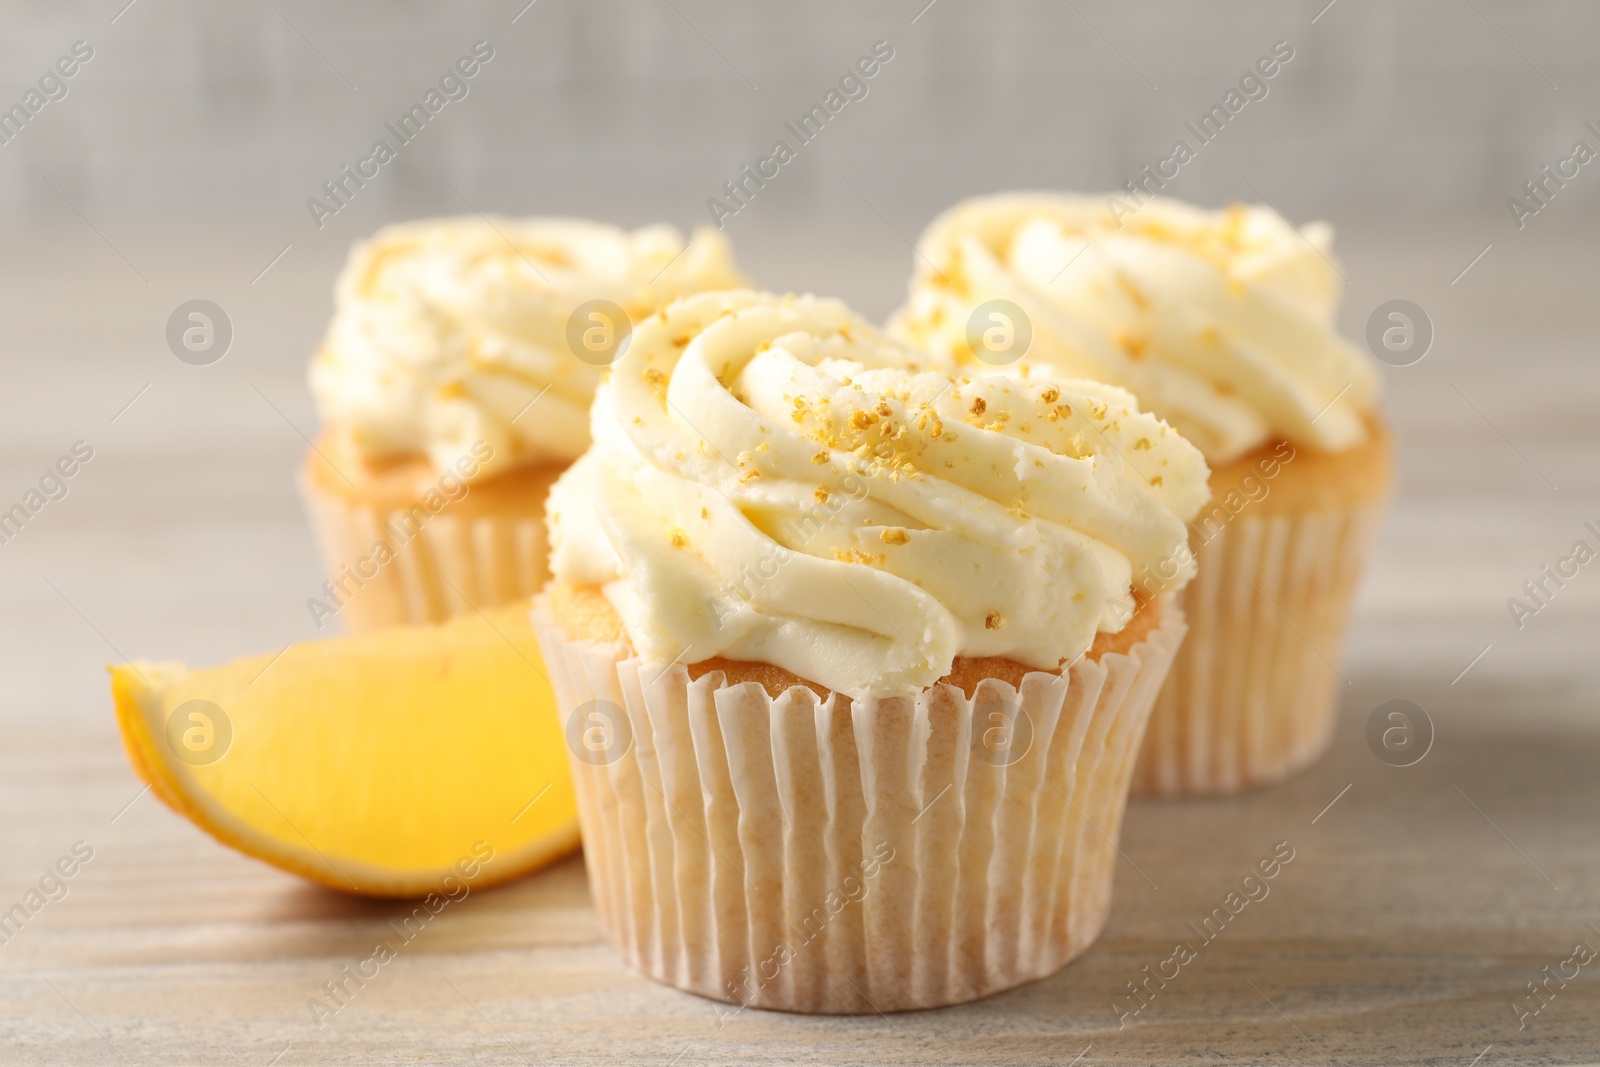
<point>772,480</point>
<point>1221,322</point>
<point>449,332</point>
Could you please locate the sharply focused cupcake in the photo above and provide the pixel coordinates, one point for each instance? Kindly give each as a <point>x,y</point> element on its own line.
<point>1222,323</point>
<point>852,663</point>
<point>454,384</point>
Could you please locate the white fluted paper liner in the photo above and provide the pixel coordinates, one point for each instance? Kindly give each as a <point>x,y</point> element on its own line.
<point>449,565</point>
<point>850,857</point>
<point>1253,693</point>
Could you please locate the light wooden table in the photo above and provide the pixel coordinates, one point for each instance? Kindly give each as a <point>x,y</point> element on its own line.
<point>1420,900</point>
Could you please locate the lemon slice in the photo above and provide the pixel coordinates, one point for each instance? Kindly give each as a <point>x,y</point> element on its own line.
<point>393,764</point>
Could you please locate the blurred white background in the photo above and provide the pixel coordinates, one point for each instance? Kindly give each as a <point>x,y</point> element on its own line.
<point>180,160</point>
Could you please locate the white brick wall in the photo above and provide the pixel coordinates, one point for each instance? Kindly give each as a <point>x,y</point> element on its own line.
<point>620,107</point>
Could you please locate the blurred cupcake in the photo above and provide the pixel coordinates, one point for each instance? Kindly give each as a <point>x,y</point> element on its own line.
<point>1222,323</point>
<point>853,670</point>
<point>454,384</point>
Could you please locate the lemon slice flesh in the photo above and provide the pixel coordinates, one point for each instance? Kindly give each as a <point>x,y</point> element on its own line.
<point>393,764</point>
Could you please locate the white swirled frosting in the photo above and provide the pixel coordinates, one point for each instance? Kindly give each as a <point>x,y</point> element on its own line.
<point>1221,322</point>
<point>446,330</point>
<point>772,480</point>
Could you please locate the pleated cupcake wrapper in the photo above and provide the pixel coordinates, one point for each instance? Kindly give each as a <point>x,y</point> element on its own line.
<point>445,566</point>
<point>850,857</point>
<point>1253,694</point>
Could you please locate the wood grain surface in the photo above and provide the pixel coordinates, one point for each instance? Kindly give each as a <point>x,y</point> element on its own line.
<point>1419,903</point>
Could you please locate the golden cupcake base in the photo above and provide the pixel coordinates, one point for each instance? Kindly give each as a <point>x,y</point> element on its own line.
<point>402,546</point>
<point>808,853</point>
<point>1253,692</point>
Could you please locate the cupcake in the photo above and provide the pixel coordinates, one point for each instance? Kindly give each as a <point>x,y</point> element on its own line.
<point>852,663</point>
<point>454,385</point>
<point>1222,323</point>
